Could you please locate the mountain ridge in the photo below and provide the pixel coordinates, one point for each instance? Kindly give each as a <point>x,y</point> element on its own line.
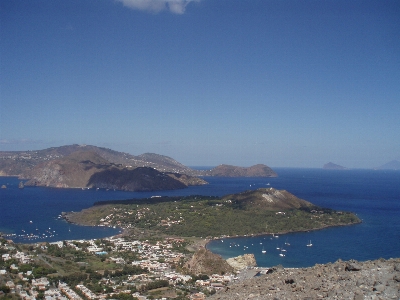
<point>87,169</point>
<point>21,163</point>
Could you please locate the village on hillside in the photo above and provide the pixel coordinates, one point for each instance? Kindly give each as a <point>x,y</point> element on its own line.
<point>110,268</point>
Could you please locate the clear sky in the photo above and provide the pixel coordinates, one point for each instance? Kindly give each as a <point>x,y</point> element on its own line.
<point>287,83</point>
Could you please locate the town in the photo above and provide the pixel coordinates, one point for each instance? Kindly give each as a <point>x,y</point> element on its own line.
<point>109,268</point>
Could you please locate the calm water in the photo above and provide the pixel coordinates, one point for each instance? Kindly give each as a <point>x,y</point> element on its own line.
<point>373,195</point>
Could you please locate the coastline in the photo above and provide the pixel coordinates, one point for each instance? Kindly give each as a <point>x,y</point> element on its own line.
<point>277,233</point>
<point>204,242</point>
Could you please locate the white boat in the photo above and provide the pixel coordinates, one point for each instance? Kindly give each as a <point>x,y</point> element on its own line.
<point>263,251</point>
<point>309,244</point>
<point>281,254</point>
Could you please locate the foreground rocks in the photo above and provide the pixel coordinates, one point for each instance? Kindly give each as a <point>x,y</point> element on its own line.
<point>379,279</point>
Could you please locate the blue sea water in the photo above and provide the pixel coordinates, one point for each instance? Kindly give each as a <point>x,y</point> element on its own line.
<point>373,195</point>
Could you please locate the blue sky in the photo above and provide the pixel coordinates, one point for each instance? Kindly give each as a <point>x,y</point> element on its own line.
<point>287,83</point>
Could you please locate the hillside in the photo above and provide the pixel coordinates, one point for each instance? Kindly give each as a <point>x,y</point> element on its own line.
<point>87,169</point>
<point>267,199</point>
<point>206,262</point>
<point>259,170</point>
<point>21,163</point>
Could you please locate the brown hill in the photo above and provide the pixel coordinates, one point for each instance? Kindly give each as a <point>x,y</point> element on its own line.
<point>83,169</point>
<point>20,163</point>
<point>267,199</point>
<point>206,262</point>
<point>72,171</point>
<point>259,170</point>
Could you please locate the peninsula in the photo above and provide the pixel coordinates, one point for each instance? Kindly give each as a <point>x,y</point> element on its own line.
<point>262,211</point>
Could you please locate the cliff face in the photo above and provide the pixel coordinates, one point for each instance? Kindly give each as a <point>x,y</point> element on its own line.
<point>88,169</point>
<point>139,179</point>
<point>72,171</point>
<point>259,170</point>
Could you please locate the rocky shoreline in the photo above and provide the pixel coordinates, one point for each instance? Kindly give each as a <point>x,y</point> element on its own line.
<point>378,279</point>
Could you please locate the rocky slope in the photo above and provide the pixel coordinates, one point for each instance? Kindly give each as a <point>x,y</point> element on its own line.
<point>20,163</point>
<point>259,170</point>
<point>379,279</point>
<point>242,261</point>
<point>83,169</point>
<point>268,199</point>
<point>206,262</point>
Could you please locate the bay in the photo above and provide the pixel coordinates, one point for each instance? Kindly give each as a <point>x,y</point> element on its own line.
<point>373,195</point>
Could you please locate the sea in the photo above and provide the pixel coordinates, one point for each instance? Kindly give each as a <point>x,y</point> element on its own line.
<point>32,215</point>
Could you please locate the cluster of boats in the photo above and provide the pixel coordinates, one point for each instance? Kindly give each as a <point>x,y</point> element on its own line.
<point>281,249</point>
<point>33,235</point>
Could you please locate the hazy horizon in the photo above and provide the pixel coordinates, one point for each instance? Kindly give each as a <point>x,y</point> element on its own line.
<point>206,82</point>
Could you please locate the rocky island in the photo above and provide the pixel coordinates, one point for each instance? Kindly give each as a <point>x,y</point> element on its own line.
<point>332,166</point>
<point>259,170</point>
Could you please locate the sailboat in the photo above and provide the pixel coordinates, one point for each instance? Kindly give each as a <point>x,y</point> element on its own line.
<point>287,243</point>
<point>263,251</point>
<point>309,244</point>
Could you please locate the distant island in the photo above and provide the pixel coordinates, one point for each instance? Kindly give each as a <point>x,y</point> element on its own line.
<point>332,166</point>
<point>391,165</point>
<point>234,171</point>
<point>86,166</point>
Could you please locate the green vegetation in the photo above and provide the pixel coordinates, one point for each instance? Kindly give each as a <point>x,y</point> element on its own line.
<point>211,216</point>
